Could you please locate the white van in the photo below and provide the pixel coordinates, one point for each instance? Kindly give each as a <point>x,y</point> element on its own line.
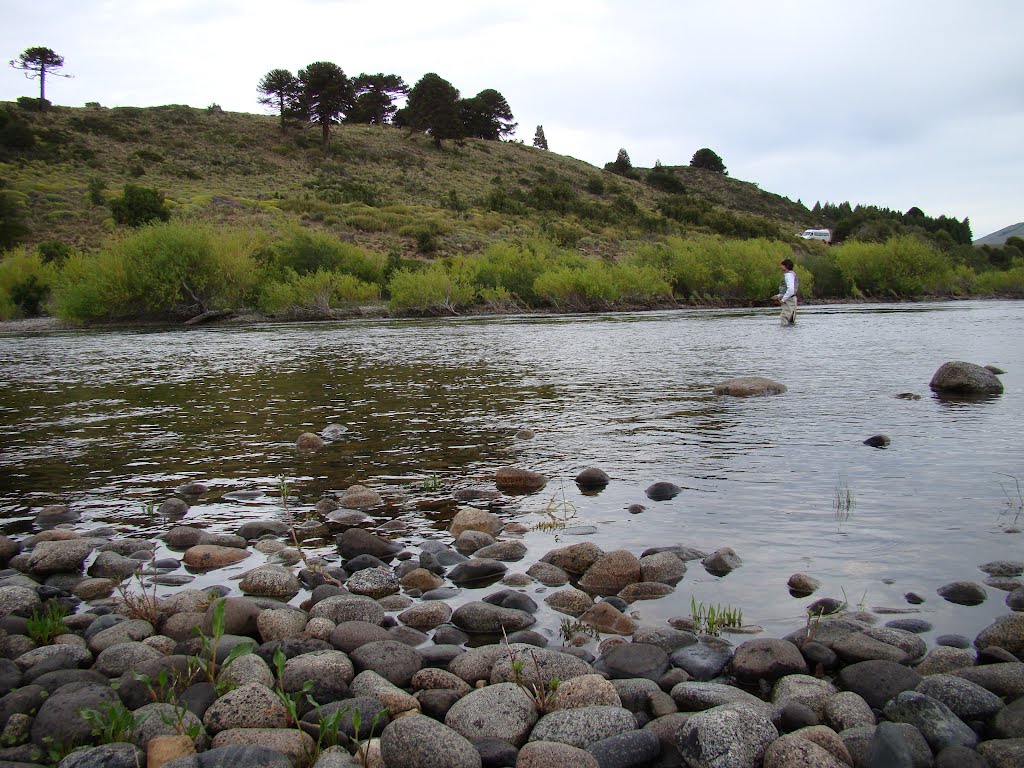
<point>825,235</point>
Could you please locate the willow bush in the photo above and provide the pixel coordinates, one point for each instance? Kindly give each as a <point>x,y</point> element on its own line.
<point>160,270</point>
<point>903,266</point>
<point>25,283</point>
<point>434,290</point>
<point>304,251</point>
<point>600,285</point>
<point>315,294</point>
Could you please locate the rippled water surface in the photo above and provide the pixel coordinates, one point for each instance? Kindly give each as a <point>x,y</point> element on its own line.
<point>111,420</point>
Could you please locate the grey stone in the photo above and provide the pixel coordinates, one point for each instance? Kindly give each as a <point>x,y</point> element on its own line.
<point>539,665</point>
<point>940,727</point>
<point>59,717</point>
<point>767,659</point>
<point>967,700</point>
<point>888,749</point>
<point>251,706</point>
<point>500,711</point>
<point>330,671</point>
<point>394,661</point>
<point>574,559</point>
<point>749,386</point>
<point>547,574</point>
<point>1009,721</point>
<point>662,491</point>
<point>1003,753</point>
<point>729,736</point>
<point>631,660</point>
<point>342,608</point>
<point>373,582</point>
<point>270,581</point>
<point>581,726</point>
<point>506,551</point>
<point>806,690</point>
<point>846,710</point>
<point>1006,632</point>
<point>477,572</point>
<point>59,556</point>
<point>697,697</point>
<point>159,719</point>
<point>963,593</point>
<point>552,754</point>
<point>624,750</point>
<point>117,659</point>
<point>417,741</point>
<point>722,561</point>
<point>484,618</point>
<point>664,567</point>
<point>117,755</point>
<point>233,756</point>
<point>795,750</point>
<point>357,541</point>
<point>878,681</point>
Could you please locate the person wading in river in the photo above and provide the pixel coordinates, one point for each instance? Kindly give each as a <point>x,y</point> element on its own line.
<point>787,293</point>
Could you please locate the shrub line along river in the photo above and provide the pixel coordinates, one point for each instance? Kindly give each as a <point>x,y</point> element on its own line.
<point>109,421</point>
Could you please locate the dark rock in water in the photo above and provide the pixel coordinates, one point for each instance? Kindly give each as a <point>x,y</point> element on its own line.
<point>592,477</point>
<point>635,509</point>
<point>907,396</point>
<point>308,441</point>
<point>356,541</point>
<point>441,593</point>
<point>192,489</point>
<point>1006,632</point>
<point>48,517</point>
<point>574,559</point>
<point>616,602</point>
<point>913,598</point>
<point>662,491</point>
<point>705,659</point>
<point>681,551</point>
<point>634,660</point>
<point>509,598</point>
<point>917,626</point>
<point>878,441</point>
<point>1006,568</point>
<point>476,494</point>
<point>477,572</point>
<point>1015,599</point>
<point>825,606</point>
<point>256,528</point>
<point>994,369</point>
<point>395,661</point>
<point>722,561</point>
<point>767,659</point>
<point>173,507</point>
<point>528,637</point>
<point>515,480</point>
<point>749,386</point>
<point>960,378</point>
<point>801,585</point>
<point>362,562</point>
<point>953,641</point>
<point>878,681</point>
<point>963,593</point>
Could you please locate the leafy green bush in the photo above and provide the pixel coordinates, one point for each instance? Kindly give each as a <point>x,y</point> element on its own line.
<point>25,282</point>
<point>599,285</point>
<point>12,217</point>
<point>315,294</point>
<point>1008,283</point>
<point>139,205</point>
<point>434,290</point>
<point>15,132</point>
<point>515,266</point>
<point>160,270</point>
<point>712,267</point>
<point>305,251</point>
<point>54,251</point>
<point>902,266</point>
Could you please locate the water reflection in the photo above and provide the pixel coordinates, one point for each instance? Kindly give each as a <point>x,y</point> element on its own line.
<point>110,421</point>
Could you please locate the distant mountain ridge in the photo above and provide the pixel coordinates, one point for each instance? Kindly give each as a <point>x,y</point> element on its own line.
<point>1000,237</point>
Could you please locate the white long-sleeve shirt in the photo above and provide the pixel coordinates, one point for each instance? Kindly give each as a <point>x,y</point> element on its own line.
<point>790,277</point>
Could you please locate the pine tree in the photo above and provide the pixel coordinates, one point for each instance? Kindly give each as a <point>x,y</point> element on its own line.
<point>279,90</point>
<point>708,160</point>
<point>487,116</point>
<point>539,139</point>
<point>433,107</point>
<point>325,95</point>
<point>375,98</point>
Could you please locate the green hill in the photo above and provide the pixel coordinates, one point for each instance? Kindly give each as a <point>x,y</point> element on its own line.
<point>378,186</point>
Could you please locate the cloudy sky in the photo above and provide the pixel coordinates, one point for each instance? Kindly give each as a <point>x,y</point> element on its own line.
<point>886,102</point>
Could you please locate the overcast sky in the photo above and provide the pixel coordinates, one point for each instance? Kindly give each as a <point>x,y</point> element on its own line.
<point>887,102</point>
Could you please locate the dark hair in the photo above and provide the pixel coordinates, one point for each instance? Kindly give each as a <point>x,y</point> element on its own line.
<point>787,263</point>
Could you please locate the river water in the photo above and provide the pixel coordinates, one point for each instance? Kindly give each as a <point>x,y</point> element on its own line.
<point>109,421</point>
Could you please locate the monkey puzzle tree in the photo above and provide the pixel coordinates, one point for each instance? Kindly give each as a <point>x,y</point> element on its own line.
<point>37,62</point>
<point>375,98</point>
<point>279,90</point>
<point>487,116</point>
<point>433,108</point>
<point>325,96</point>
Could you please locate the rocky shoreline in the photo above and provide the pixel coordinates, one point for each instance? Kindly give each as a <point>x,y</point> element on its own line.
<point>242,676</point>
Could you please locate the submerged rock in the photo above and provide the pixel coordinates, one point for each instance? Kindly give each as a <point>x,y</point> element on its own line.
<point>308,441</point>
<point>514,480</point>
<point>749,386</point>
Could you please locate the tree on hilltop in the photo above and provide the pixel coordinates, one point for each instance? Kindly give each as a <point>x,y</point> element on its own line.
<point>280,89</point>
<point>487,116</point>
<point>539,139</point>
<point>709,161</point>
<point>433,107</point>
<point>37,62</point>
<point>325,96</point>
<point>622,165</point>
<point>375,98</point>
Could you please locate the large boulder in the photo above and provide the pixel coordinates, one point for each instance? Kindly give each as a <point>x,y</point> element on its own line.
<point>611,572</point>
<point>515,480</point>
<point>728,736</point>
<point>501,711</point>
<point>470,519</point>
<point>960,378</point>
<point>418,741</point>
<point>582,726</point>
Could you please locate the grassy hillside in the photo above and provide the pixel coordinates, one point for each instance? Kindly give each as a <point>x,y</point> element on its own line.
<point>378,187</point>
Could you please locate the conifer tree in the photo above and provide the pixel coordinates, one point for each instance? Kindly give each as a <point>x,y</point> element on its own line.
<point>539,139</point>
<point>487,116</point>
<point>38,62</point>
<point>280,89</point>
<point>375,98</point>
<point>325,95</point>
<point>433,107</point>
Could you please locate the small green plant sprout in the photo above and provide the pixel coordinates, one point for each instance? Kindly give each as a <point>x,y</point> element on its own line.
<point>207,662</point>
<point>138,602</point>
<point>431,483</point>
<point>559,511</point>
<point>285,491</point>
<point>574,630</point>
<point>819,610</point>
<point>842,501</point>
<point>44,625</point>
<point>111,723</point>
<point>712,619</point>
<point>363,744</point>
<point>292,701</point>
